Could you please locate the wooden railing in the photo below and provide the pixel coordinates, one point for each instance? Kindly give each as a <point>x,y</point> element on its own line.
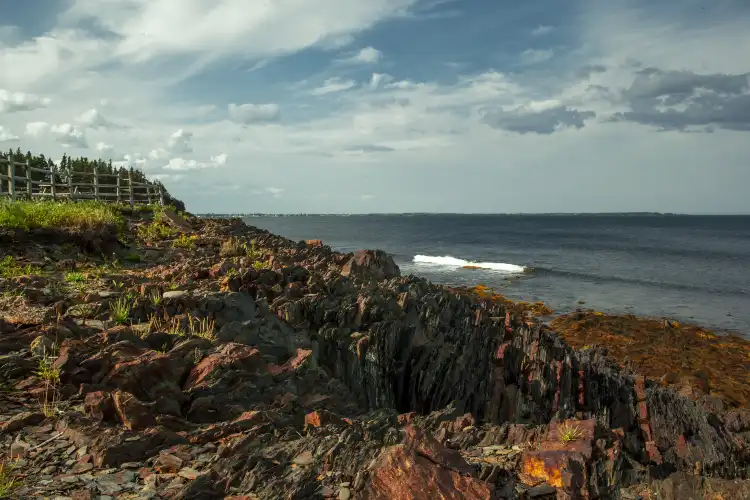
<point>73,185</point>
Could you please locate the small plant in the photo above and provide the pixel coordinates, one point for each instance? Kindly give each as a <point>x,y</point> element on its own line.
<point>47,371</point>
<point>120,311</point>
<point>567,433</point>
<point>75,277</point>
<point>185,241</point>
<point>172,286</point>
<point>260,265</point>
<point>49,406</point>
<point>232,247</point>
<point>155,297</point>
<point>252,251</point>
<point>156,230</point>
<point>132,257</point>
<point>232,272</point>
<point>8,480</point>
<point>203,328</point>
<point>9,268</point>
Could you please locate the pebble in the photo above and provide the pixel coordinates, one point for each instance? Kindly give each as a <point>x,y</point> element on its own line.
<point>344,494</point>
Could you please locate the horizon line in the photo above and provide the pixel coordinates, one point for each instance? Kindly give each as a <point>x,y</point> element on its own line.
<point>328,214</point>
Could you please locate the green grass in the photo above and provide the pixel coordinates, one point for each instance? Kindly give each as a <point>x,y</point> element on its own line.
<point>47,371</point>
<point>567,433</point>
<point>120,311</point>
<point>9,268</point>
<point>79,215</point>
<point>8,480</point>
<point>185,241</point>
<point>75,277</point>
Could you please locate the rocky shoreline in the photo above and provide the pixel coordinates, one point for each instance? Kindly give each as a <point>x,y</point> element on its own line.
<point>203,358</point>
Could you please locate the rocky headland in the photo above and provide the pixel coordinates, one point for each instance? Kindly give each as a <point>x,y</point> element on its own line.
<point>158,355</point>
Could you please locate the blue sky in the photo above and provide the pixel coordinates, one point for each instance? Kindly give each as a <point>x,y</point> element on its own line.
<point>296,106</point>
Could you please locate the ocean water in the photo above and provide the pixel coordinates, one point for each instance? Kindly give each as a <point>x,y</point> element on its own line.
<point>689,268</point>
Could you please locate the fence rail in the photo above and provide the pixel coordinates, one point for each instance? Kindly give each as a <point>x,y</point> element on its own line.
<point>119,188</point>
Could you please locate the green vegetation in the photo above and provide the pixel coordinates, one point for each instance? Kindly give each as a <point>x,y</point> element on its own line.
<point>82,165</point>
<point>8,480</point>
<point>567,433</point>
<point>185,241</point>
<point>9,268</point>
<point>119,311</point>
<point>78,215</point>
<point>47,371</point>
<point>75,277</point>
<point>155,297</point>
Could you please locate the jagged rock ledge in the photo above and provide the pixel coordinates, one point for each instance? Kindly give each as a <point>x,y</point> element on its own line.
<point>330,375</point>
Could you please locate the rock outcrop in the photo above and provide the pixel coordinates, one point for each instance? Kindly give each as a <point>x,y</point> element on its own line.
<point>283,369</point>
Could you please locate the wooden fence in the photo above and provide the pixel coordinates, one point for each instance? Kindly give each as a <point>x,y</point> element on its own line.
<point>74,185</point>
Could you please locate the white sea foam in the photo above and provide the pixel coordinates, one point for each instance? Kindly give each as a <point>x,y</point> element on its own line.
<point>449,261</point>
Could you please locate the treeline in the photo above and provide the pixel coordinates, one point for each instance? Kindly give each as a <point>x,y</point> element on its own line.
<point>78,168</point>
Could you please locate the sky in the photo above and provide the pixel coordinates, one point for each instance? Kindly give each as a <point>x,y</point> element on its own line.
<point>342,106</point>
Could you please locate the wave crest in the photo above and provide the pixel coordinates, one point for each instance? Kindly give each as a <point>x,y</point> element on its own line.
<point>448,261</point>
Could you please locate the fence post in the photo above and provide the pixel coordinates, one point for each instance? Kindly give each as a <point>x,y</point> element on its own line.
<point>161,196</point>
<point>11,178</point>
<point>71,194</point>
<point>117,199</point>
<point>96,184</point>
<point>29,184</point>
<point>148,193</point>
<point>130,183</point>
<point>52,176</point>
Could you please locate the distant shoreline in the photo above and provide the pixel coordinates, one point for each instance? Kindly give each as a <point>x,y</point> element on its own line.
<point>443,214</point>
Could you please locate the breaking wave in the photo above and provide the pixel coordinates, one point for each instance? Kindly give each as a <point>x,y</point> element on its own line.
<point>449,261</point>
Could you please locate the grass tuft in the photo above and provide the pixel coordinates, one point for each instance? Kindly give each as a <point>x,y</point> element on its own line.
<point>185,241</point>
<point>9,268</point>
<point>79,215</point>
<point>75,277</point>
<point>8,480</point>
<point>567,433</point>
<point>119,311</point>
<point>47,371</point>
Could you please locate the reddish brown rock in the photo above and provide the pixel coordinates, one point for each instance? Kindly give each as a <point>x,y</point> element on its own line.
<point>292,364</point>
<point>133,414</point>
<point>314,243</point>
<point>423,444</point>
<point>371,264</point>
<point>99,406</point>
<point>231,354</point>
<point>400,473</point>
<point>168,463</point>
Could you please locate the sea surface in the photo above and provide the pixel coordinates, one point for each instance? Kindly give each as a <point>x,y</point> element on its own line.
<point>688,268</point>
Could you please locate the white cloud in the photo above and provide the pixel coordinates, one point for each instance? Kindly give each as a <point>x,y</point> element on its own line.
<point>332,85</point>
<point>69,136</point>
<point>367,197</point>
<point>503,128</point>
<point>368,55</point>
<point>155,28</point>
<point>535,56</point>
<point>542,30</point>
<point>379,79</point>
<point>6,135</point>
<point>274,191</point>
<point>11,102</point>
<point>179,142</point>
<point>106,150</point>
<point>183,164</point>
<point>36,129</point>
<point>92,118</point>
<point>253,113</point>
<point>220,159</point>
<point>404,85</point>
